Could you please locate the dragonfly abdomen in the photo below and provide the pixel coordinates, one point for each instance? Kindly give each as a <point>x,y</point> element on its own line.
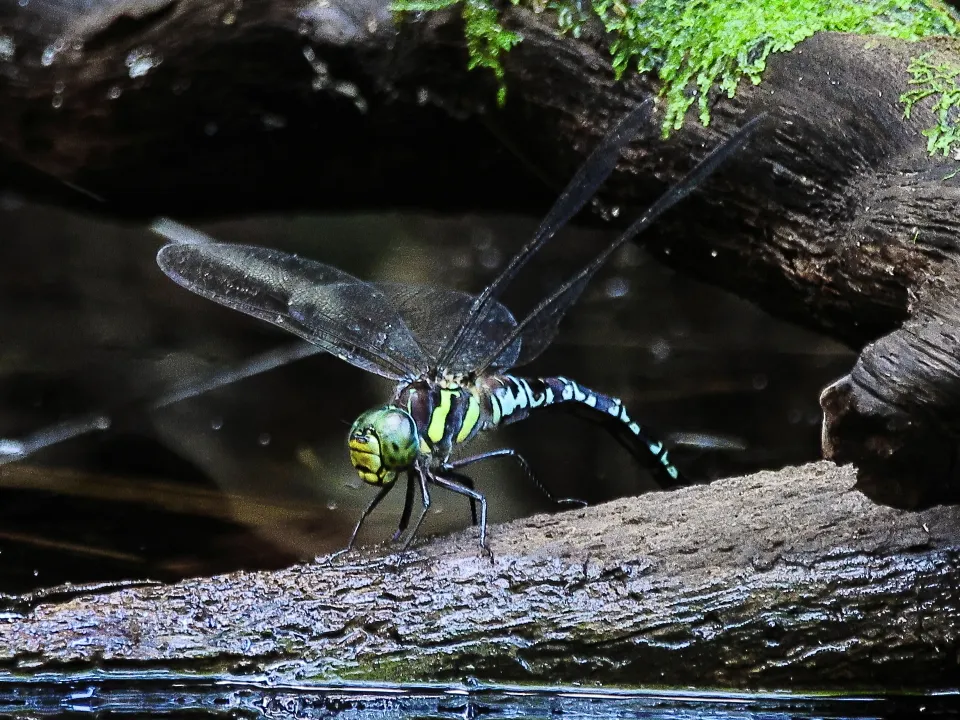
<point>512,398</point>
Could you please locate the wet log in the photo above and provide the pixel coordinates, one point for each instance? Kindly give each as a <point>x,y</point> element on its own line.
<point>836,217</point>
<point>788,580</point>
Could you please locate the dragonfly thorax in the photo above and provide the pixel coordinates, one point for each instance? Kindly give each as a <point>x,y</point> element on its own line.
<point>383,442</point>
<point>446,413</point>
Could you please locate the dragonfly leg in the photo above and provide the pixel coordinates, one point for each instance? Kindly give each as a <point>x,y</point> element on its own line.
<point>381,494</point>
<point>407,508</point>
<point>467,482</point>
<point>425,494</point>
<point>524,465</point>
<point>474,496</point>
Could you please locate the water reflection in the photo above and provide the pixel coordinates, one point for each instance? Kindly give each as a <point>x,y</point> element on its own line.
<point>164,699</point>
<point>254,473</point>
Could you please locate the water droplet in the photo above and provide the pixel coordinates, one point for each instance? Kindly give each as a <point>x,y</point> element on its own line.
<point>661,350</point>
<point>114,92</point>
<point>272,121</point>
<point>8,48</point>
<point>491,259</point>
<point>461,260</point>
<point>617,287</point>
<point>216,423</point>
<point>59,86</point>
<point>309,54</point>
<point>57,102</point>
<point>23,3</point>
<point>36,573</point>
<point>140,61</point>
<point>713,253</point>
<point>615,211</point>
<point>423,96</point>
<point>793,417</point>
<point>180,86</point>
<point>102,422</point>
<point>210,129</point>
<point>229,18</point>
<point>331,505</point>
<point>264,439</point>
<point>49,55</point>
<point>760,381</point>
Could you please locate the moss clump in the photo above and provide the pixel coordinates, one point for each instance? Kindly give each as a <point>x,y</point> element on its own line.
<point>940,82</point>
<point>693,45</point>
<point>486,37</point>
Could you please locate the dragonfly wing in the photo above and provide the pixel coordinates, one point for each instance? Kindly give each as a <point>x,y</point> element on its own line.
<point>434,315</point>
<point>332,309</point>
<point>582,186</point>
<point>539,328</point>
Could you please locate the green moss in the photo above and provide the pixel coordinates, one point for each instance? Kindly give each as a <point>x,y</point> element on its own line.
<point>694,45</point>
<point>939,82</point>
<point>486,37</point>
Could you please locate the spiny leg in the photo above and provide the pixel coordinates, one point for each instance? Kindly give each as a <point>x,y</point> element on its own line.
<point>467,482</point>
<point>474,496</point>
<point>524,465</point>
<point>425,494</point>
<point>407,508</point>
<point>381,494</point>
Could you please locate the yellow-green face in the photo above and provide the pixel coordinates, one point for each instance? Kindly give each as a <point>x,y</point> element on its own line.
<point>382,443</point>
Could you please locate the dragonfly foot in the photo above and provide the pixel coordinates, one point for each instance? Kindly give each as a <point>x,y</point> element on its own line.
<point>328,559</point>
<point>487,553</point>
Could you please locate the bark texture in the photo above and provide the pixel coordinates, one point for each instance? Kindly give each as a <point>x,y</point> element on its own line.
<point>775,580</point>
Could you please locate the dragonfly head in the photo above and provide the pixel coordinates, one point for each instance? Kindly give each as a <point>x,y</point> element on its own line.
<point>383,442</point>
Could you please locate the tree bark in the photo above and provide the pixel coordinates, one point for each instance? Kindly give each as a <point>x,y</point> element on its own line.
<point>776,580</point>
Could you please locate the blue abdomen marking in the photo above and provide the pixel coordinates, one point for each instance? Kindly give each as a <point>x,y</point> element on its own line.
<point>513,398</point>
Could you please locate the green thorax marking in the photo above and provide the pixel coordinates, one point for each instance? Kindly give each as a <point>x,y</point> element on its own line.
<point>446,413</point>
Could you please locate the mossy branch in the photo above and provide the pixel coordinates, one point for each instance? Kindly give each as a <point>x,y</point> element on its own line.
<point>698,45</point>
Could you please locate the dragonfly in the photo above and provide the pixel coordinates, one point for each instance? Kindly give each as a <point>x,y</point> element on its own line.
<point>451,353</point>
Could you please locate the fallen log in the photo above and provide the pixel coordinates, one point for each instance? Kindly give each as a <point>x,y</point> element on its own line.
<point>775,580</point>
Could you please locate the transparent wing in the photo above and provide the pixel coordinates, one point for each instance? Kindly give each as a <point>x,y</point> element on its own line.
<point>539,328</point>
<point>575,195</point>
<point>435,314</point>
<point>328,307</point>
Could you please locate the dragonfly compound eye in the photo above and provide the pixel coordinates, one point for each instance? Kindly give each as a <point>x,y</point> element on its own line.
<point>383,442</point>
